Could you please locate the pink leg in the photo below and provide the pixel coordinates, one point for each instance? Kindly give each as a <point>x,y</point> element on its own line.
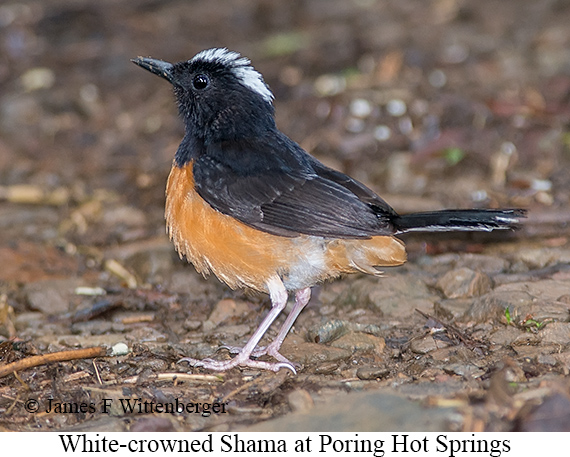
<point>302,297</point>
<point>279,296</point>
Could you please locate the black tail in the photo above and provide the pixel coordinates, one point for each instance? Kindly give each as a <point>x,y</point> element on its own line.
<point>468,220</point>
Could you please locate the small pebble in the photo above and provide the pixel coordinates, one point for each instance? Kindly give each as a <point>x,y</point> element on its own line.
<point>355,125</point>
<point>89,93</point>
<point>360,108</point>
<point>437,78</point>
<point>541,185</point>
<point>370,373</point>
<point>479,195</point>
<point>455,53</point>
<point>405,125</point>
<point>119,349</point>
<point>224,311</point>
<point>192,324</point>
<point>424,345</point>
<point>382,133</point>
<point>90,291</point>
<point>326,368</point>
<point>396,107</point>
<point>327,85</point>
<point>37,78</point>
<point>464,282</point>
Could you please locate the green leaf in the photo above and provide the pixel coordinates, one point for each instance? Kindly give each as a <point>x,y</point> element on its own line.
<point>454,155</point>
<point>508,316</point>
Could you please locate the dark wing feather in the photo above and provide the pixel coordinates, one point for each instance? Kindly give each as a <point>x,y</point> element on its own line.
<point>272,184</point>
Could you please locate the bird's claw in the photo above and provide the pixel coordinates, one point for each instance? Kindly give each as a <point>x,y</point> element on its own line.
<point>258,352</point>
<point>242,361</point>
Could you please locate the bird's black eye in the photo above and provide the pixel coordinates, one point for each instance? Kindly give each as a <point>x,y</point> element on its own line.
<point>200,82</point>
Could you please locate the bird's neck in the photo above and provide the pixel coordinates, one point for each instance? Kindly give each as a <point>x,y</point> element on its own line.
<point>232,131</point>
<point>189,149</point>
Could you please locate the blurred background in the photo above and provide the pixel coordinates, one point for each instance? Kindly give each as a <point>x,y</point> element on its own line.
<point>438,103</point>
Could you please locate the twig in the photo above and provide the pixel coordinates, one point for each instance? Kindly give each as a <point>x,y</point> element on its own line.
<point>454,333</point>
<point>44,359</point>
<point>189,377</point>
<point>97,372</point>
<point>185,377</point>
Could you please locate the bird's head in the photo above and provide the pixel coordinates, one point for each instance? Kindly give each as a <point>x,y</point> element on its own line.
<point>220,95</point>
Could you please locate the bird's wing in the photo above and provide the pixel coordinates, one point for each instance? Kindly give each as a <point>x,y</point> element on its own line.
<point>273,185</point>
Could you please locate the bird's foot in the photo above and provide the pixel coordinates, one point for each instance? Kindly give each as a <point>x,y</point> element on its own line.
<point>241,360</point>
<point>271,350</point>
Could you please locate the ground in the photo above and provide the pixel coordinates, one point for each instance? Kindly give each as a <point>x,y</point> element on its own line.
<point>443,103</point>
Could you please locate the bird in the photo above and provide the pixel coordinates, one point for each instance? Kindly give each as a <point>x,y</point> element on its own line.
<point>248,204</point>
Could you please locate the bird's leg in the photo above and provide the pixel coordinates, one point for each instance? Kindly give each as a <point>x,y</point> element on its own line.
<point>302,297</point>
<point>278,295</point>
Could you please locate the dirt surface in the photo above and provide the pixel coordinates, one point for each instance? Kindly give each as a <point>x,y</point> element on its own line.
<point>433,104</point>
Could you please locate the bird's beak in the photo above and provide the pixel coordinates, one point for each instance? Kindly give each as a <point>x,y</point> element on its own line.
<point>158,67</point>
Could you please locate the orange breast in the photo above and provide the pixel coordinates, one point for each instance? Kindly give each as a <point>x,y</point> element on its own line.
<point>242,256</point>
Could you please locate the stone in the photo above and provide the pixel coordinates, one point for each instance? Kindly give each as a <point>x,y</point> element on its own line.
<point>355,341</point>
<point>463,283</point>
<point>382,411</point>
<point>224,311</point>
<point>555,333</point>
<point>395,295</point>
<point>372,372</point>
<point>52,296</point>
<point>295,348</point>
